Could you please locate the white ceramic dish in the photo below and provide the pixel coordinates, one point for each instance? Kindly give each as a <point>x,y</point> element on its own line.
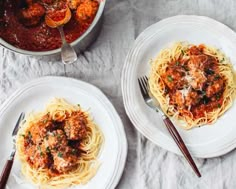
<point>206,141</point>
<point>34,96</point>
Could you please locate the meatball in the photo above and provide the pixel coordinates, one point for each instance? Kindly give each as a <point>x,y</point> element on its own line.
<point>197,62</point>
<point>75,127</point>
<point>178,99</point>
<point>216,87</point>
<point>42,160</point>
<point>38,133</point>
<point>86,10</point>
<point>37,157</point>
<point>197,79</point>
<point>45,123</point>
<point>192,98</point>
<point>32,15</point>
<point>174,78</point>
<point>56,139</point>
<point>65,159</point>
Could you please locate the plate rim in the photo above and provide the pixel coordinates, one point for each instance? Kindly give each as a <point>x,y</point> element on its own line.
<point>120,131</point>
<point>141,37</point>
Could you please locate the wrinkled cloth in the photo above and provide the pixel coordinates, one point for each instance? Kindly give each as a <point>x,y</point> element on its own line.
<point>148,166</point>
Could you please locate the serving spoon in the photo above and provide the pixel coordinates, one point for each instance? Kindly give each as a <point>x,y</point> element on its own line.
<point>68,54</point>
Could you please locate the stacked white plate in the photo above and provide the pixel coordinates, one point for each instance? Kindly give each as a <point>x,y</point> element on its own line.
<point>35,95</point>
<point>206,141</point>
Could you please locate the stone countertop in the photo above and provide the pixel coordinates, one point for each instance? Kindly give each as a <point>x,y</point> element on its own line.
<point>148,166</point>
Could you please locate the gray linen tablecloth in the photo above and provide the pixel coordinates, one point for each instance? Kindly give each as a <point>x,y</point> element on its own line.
<point>148,166</point>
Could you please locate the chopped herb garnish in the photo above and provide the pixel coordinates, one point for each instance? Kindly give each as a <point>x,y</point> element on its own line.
<point>78,104</point>
<point>59,154</point>
<point>222,60</point>
<point>182,52</point>
<point>58,136</point>
<point>69,127</point>
<point>210,83</point>
<point>46,137</point>
<point>47,150</point>
<point>177,63</point>
<point>218,96</point>
<point>39,148</point>
<point>29,134</point>
<point>205,100</point>
<point>45,121</point>
<point>169,77</point>
<point>166,90</point>
<point>210,71</point>
<point>186,68</point>
<point>218,105</point>
<point>217,77</point>
<point>203,93</point>
<point>22,135</point>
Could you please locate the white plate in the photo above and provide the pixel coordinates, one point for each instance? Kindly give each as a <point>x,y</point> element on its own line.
<point>36,94</point>
<point>206,141</point>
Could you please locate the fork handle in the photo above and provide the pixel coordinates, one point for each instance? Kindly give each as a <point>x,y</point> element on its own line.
<point>179,141</point>
<point>5,173</point>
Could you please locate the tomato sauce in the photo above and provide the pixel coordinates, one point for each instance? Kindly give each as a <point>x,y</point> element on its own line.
<point>195,85</point>
<point>39,37</point>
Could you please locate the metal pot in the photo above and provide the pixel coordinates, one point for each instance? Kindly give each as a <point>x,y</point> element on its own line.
<point>79,44</point>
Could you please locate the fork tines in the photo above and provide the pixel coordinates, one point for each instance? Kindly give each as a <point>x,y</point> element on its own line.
<point>16,128</point>
<point>143,84</point>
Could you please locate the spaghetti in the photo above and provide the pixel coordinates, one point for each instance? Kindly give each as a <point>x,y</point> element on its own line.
<point>193,84</point>
<point>59,147</point>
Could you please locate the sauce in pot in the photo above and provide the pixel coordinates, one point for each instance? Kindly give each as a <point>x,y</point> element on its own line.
<point>40,37</point>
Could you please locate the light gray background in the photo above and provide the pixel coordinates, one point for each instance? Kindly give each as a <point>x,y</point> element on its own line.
<point>148,166</point>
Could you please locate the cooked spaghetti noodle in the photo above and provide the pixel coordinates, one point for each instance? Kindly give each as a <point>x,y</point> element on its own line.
<point>193,84</point>
<point>59,147</point>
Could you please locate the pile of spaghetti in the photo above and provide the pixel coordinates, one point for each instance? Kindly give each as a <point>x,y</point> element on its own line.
<point>59,146</point>
<point>193,84</point>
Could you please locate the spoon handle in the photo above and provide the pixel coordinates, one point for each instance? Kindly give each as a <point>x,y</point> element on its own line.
<point>68,54</point>
<point>63,38</point>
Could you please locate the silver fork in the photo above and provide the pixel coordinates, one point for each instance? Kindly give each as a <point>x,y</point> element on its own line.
<point>144,88</point>
<point>7,168</point>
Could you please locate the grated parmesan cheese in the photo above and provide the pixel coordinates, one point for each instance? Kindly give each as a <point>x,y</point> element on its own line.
<point>184,92</point>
